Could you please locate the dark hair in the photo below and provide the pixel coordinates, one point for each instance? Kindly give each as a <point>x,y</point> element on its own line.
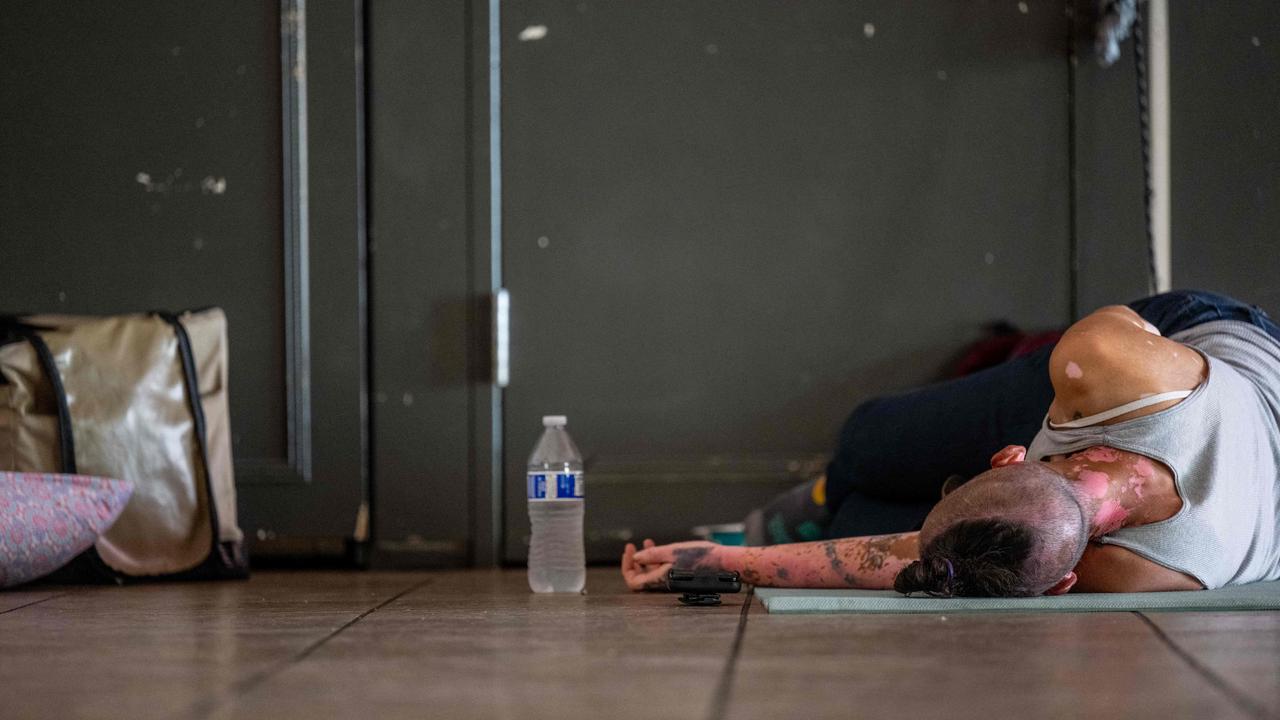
<point>975,558</point>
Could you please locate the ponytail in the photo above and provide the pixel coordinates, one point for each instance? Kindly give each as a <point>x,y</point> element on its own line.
<point>974,558</point>
<point>934,576</point>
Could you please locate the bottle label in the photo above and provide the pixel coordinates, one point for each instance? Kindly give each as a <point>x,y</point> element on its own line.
<point>555,486</point>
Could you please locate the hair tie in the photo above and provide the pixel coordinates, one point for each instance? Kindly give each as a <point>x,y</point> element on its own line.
<point>951,571</point>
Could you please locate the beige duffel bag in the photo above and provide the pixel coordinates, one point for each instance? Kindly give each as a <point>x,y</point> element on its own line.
<point>141,398</point>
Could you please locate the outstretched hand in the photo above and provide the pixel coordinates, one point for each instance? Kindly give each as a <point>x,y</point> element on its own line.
<point>640,576</point>
<point>647,569</point>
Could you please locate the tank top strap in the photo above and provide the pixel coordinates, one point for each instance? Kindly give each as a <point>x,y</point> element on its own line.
<point>1128,407</point>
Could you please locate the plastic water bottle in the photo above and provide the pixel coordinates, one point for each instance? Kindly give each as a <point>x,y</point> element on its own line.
<point>557,562</point>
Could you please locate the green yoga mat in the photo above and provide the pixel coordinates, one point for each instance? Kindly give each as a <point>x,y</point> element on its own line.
<point>1258,596</point>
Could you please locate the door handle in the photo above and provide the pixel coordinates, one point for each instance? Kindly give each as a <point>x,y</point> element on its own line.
<point>501,360</point>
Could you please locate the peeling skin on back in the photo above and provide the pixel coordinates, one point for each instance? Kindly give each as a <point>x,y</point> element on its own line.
<point>1144,471</point>
<point>1099,453</point>
<point>1144,468</point>
<point>1073,370</point>
<point>1094,483</point>
<point>1110,517</point>
<point>1137,484</point>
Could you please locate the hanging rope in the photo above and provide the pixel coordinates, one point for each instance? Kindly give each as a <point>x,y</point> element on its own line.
<point>1144,124</point>
<point>1118,19</point>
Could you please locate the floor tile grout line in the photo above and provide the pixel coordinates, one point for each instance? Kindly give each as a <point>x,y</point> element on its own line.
<point>306,652</point>
<point>720,700</point>
<point>33,602</point>
<point>1237,697</point>
<point>249,684</point>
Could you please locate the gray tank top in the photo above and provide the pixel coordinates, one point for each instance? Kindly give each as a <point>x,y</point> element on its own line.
<point>1223,444</point>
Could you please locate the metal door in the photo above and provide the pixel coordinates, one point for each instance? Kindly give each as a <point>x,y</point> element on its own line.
<point>726,223</point>
<point>159,155</point>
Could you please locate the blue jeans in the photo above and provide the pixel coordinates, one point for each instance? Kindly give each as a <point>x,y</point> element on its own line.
<point>895,452</point>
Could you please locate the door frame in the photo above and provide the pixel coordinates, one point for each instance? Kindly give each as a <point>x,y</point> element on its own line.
<point>314,499</point>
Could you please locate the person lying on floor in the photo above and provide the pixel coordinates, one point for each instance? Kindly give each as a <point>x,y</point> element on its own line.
<point>1153,464</point>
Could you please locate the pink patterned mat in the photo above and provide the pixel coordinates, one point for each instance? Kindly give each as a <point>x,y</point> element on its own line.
<point>47,519</point>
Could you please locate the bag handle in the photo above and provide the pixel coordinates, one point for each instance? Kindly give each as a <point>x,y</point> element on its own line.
<point>192,382</point>
<point>66,438</point>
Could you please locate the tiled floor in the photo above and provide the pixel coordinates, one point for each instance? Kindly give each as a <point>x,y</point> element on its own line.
<point>478,644</point>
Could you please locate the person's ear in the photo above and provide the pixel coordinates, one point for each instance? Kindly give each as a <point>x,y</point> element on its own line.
<point>1010,455</point>
<point>1066,583</point>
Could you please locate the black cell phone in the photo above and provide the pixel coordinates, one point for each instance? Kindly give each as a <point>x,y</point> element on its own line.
<point>704,582</point>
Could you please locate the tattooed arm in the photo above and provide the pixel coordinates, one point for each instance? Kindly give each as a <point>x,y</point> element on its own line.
<point>869,562</point>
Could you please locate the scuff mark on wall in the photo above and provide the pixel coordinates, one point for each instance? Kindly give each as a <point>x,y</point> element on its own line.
<point>167,185</point>
<point>213,186</point>
<point>155,186</point>
<point>173,183</point>
<point>533,32</point>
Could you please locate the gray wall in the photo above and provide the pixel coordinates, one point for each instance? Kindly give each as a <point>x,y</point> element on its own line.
<point>625,132</point>
<point>141,167</point>
<point>659,153</point>
<point>96,101</point>
<point>1225,87</point>
<point>725,224</point>
<point>421,230</point>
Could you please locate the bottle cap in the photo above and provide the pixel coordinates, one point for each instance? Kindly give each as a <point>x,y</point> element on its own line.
<point>554,421</point>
